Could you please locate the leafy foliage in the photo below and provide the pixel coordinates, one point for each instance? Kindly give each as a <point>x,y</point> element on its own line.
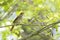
<point>38,20</point>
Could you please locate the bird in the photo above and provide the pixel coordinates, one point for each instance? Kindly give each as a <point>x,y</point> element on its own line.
<point>17,20</point>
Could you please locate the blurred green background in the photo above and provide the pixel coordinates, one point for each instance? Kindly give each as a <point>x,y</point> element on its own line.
<point>40,19</point>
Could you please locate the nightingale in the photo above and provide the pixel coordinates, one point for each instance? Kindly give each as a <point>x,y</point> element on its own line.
<point>17,20</point>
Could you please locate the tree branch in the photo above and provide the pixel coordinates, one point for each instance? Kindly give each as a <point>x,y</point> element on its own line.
<point>46,27</point>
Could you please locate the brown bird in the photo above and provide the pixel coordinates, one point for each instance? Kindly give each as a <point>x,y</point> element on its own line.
<point>17,20</point>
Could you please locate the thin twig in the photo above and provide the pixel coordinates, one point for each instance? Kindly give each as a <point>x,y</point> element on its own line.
<point>20,24</point>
